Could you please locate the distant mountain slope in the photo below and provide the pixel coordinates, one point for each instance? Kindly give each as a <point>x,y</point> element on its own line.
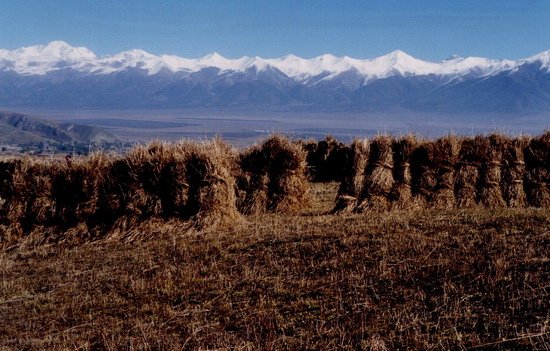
<point>17,128</point>
<point>59,75</point>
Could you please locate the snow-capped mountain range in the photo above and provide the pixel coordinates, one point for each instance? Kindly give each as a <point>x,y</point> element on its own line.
<point>58,74</point>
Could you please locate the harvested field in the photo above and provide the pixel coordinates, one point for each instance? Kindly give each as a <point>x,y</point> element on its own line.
<point>437,279</point>
<point>422,245</point>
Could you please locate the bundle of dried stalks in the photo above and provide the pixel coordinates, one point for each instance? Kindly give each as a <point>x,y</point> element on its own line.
<point>7,172</point>
<point>445,158</point>
<point>379,178</point>
<point>75,190</point>
<point>401,193</point>
<point>37,193</point>
<point>122,194</point>
<point>173,188</point>
<point>424,174</point>
<point>326,160</point>
<point>211,200</point>
<point>490,193</point>
<point>10,228</point>
<point>253,181</point>
<point>277,173</point>
<point>352,183</point>
<point>472,152</point>
<point>514,172</point>
<point>537,158</point>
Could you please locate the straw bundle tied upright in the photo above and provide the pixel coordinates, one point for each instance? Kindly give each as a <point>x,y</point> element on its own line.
<point>253,181</point>
<point>76,189</point>
<point>445,155</point>
<point>490,193</point>
<point>288,186</point>
<point>173,187</point>
<point>472,152</point>
<point>401,193</point>
<point>424,174</point>
<point>352,183</point>
<point>37,194</point>
<point>514,172</point>
<point>537,158</point>
<point>325,159</point>
<point>10,209</point>
<point>276,171</point>
<point>212,198</point>
<point>379,179</point>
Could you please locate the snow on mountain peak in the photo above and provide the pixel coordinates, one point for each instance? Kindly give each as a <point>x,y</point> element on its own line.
<point>56,55</point>
<point>55,50</point>
<point>41,59</point>
<point>454,57</point>
<point>543,58</point>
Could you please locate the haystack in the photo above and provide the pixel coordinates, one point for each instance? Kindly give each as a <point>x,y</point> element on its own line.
<point>379,180</point>
<point>75,190</point>
<point>277,173</point>
<point>424,174</point>
<point>211,199</point>
<point>537,159</point>
<point>490,192</point>
<point>37,193</point>
<point>173,189</point>
<point>10,209</point>
<point>28,197</point>
<point>514,172</point>
<point>471,155</point>
<point>7,173</point>
<point>401,193</point>
<point>445,158</point>
<point>121,194</point>
<point>326,160</point>
<point>352,183</point>
<point>253,181</point>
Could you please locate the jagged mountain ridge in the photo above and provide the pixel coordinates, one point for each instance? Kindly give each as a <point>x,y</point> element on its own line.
<point>60,75</point>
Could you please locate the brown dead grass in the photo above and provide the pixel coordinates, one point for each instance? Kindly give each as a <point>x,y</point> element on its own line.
<point>417,280</point>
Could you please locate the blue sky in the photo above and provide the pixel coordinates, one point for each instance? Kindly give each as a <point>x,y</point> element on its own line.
<point>431,30</point>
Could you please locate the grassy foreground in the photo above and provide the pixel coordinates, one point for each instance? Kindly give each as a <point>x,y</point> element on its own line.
<point>430,280</point>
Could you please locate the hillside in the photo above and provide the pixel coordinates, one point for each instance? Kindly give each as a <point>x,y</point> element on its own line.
<point>17,129</point>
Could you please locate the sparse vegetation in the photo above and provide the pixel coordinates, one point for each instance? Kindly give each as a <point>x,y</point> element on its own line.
<point>154,250</point>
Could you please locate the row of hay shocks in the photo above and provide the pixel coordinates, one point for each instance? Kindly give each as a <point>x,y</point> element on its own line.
<point>105,193</point>
<point>100,194</point>
<point>450,172</point>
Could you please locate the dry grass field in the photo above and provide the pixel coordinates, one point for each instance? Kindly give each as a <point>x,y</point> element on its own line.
<point>425,279</point>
